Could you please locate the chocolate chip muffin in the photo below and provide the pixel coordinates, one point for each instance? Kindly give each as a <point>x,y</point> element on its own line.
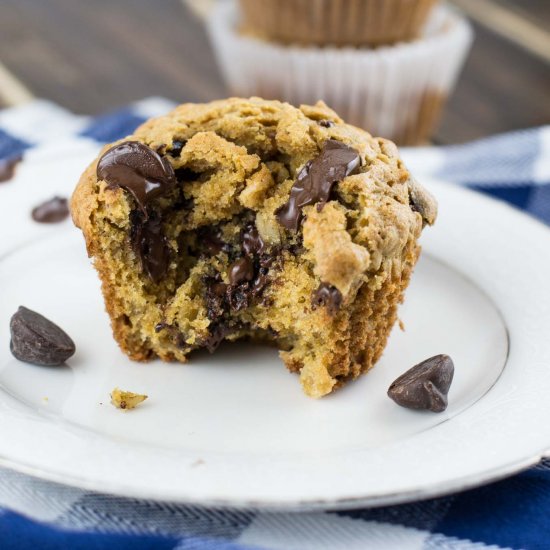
<point>246,218</point>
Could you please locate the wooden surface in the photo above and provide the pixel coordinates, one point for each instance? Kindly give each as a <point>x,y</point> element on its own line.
<point>92,56</point>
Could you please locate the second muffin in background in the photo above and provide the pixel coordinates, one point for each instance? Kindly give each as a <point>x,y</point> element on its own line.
<point>336,22</point>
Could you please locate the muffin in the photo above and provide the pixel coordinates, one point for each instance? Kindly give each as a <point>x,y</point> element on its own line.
<point>336,22</point>
<point>395,91</point>
<point>247,218</point>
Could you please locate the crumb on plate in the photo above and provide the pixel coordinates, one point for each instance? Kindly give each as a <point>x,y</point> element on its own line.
<point>126,399</point>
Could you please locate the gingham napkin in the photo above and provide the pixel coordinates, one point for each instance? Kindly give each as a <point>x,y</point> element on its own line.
<point>514,513</point>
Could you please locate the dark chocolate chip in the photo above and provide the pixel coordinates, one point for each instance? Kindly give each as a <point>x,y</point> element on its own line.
<point>160,326</point>
<point>329,296</point>
<point>36,340</point>
<point>241,270</point>
<point>7,168</point>
<point>150,245</point>
<point>52,211</point>
<point>326,123</point>
<point>316,179</point>
<point>139,170</point>
<point>424,386</point>
<point>177,146</point>
<point>252,243</point>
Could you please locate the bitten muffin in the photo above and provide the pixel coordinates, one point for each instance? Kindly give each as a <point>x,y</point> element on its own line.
<point>252,218</point>
<point>336,22</point>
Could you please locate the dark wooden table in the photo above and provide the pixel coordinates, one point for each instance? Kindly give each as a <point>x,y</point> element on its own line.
<point>92,56</point>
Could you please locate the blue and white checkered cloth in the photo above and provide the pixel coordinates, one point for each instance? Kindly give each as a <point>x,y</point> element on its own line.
<point>514,513</point>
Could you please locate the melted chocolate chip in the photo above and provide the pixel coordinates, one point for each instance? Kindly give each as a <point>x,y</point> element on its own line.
<point>329,296</point>
<point>215,297</point>
<point>326,123</point>
<point>139,170</point>
<point>241,270</point>
<point>150,245</point>
<point>260,282</point>
<point>53,211</point>
<point>424,386</point>
<point>36,340</point>
<point>252,243</point>
<point>239,296</point>
<point>218,332</point>
<point>316,179</point>
<point>7,168</point>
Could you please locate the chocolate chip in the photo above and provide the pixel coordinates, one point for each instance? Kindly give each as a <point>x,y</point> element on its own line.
<point>53,211</point>
<point>424,386</point>
<point>421,201</point>
<point>316,179</point>
<point>149,244</point>
<point>329,296</point>
<point>138,169</point>
<point>7,168</point>
<point>177,146</point>
<point>241,270</point>
<point>326,123</point>
<point>36,340</point>
<point>252,243</point>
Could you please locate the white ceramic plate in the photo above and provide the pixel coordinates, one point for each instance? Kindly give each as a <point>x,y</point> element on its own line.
<point>234,429</point>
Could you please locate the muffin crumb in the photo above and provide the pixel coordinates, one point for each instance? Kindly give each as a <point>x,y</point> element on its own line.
<point>126,399</point>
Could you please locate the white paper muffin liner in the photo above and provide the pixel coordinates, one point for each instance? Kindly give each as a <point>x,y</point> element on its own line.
<point>396,92</point>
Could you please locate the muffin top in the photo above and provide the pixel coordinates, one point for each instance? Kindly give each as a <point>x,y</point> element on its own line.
<point>330,190</point>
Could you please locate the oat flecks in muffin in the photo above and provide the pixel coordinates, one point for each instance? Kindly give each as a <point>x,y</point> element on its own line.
<point>252,218</point>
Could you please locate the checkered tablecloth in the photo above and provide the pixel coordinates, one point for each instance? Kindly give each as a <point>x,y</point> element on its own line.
<point>514,513</point>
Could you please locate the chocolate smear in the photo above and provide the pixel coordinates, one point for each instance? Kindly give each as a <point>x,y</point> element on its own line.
<point>7,168</point>
<point>252,243</point>
<point>424,386</point>
<point>52,211</point>
<point>210,238</point>
<point>316,179</point>
<point>329,296</point>
<point>241,270</point>
<point>216,335</point>
<point>36,340</point>
<point>215,297</point>
<point>149,244</point>
<point>139,170</point>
